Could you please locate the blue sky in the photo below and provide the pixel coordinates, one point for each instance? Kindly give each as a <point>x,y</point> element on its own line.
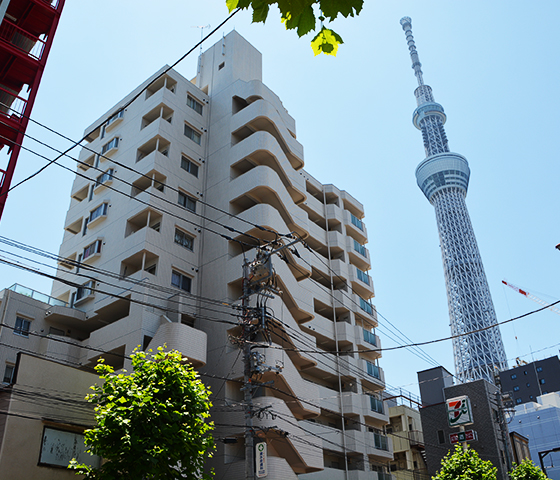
<point>492,65</point>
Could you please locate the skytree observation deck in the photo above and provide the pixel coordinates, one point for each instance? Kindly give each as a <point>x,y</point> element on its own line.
<point>443,177</point>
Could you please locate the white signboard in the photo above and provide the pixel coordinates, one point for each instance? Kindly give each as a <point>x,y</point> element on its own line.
<point>260,459</point>
<point>459,411</point>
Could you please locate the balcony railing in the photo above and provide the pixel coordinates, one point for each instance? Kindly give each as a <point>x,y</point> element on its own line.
<point>380,441</point>
<point>356,222</point>
<point>359,248</point>
<point>42,297</point>
<point>373,370</point>
<point>11,104</point>
<point>363,276</point>
<point>416,437</point>
<point>376,405</point>
<point>369,337</point>
<point>22,40</point>
<point>365,306</point>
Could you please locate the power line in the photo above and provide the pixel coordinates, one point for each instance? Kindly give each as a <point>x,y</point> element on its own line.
<point>128,103</point>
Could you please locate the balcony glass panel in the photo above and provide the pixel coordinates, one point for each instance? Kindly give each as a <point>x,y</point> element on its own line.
<point>373,370</point>
<point>380,441</point>
<point>376,405</point>
<point>369,337</point>
<point>356,222</point>
<point>365,306</point>
<point>359,248</point>
<point>363,276</point>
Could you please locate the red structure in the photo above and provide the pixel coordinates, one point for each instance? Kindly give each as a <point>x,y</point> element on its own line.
<point>26,35</point>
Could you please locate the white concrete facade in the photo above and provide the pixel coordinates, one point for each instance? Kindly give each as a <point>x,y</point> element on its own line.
<point>158,266</point>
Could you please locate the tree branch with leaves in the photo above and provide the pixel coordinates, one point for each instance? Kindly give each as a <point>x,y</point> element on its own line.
<point>151,423</point>
<point>303,15</point>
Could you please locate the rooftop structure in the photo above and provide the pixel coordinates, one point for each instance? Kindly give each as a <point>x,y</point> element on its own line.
<point>443,177</point>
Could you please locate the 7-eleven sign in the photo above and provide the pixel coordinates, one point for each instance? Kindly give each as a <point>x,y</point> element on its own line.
<point>459,411</point>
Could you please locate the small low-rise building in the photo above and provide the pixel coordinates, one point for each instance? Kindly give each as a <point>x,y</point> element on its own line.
<point>405,430</point>
<point>44,415</point>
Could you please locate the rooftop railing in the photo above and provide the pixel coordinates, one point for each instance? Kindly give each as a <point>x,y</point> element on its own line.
<point>42,297</point>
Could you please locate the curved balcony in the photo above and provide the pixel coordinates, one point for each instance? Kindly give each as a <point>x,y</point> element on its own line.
<point>262,148</point>
<point>278,469</point>
<point>255,89</point>
<point>187,340</point>
<point>289,386</point>
<point>261,115</point>
<point>263,185</point>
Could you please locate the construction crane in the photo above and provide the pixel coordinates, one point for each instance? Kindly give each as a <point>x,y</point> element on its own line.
<point>533,297</point>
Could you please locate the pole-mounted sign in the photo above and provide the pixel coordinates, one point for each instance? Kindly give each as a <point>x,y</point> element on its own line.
<point>260,459</point>
<point>462,437</point>
<point>459,411</point>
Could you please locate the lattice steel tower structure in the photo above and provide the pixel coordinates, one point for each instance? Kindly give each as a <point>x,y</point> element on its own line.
<point>443,177</point>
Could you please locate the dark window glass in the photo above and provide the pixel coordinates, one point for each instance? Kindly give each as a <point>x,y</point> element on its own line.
<point>22,327</point>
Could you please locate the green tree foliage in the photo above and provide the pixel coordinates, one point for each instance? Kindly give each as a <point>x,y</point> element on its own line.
<point>152,423</point>
<point>302,16</point>
<point>527,470</point>
<point>465,465</point>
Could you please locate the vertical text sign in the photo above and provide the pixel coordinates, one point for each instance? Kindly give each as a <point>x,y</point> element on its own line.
<point>260,459</point>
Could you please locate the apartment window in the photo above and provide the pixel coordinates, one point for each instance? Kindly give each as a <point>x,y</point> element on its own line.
<point>104,178</point>
<point>516,388</point>
<point>110,145</point>
<point>188,202</point>
<point>513,376</point>
<point>189,166</point>
<point>8,374</point>
<point>181,281</point>
<point>541,381</point>
<point>91,193</point>
<point>92,249</point>
<point>115,117</point>
<point>525,372</point>
<point>192,134</point>
<point>22,327</point>
<point>98,212</point>
<point>194,104</point>
<point>84,291</point>
<point>528,385</point>
<point>539,369</point>
<point>84,229</point>
<point>518,400</point>
<point>58,447</point>
<point>184,239</point>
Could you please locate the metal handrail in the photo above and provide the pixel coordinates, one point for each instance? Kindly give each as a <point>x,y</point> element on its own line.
<point>22,40</point>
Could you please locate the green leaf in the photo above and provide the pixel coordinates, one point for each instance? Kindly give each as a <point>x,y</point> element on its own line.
<point>331,8</point>
<point>260,10</point>
<point>305,22</point>
<point>326,41</point>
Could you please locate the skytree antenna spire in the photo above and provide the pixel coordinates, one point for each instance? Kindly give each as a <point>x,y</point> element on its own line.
<point>443,177</point>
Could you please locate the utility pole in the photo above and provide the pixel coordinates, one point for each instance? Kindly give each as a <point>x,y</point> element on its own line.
<point>258,276</point>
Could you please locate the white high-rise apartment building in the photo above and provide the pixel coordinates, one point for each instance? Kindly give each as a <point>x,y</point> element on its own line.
<point>202,166</point>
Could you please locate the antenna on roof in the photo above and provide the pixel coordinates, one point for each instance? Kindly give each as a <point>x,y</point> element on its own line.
<point>202,27</point>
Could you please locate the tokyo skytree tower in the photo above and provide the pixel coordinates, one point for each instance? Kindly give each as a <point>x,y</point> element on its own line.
<point>443,177</point>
